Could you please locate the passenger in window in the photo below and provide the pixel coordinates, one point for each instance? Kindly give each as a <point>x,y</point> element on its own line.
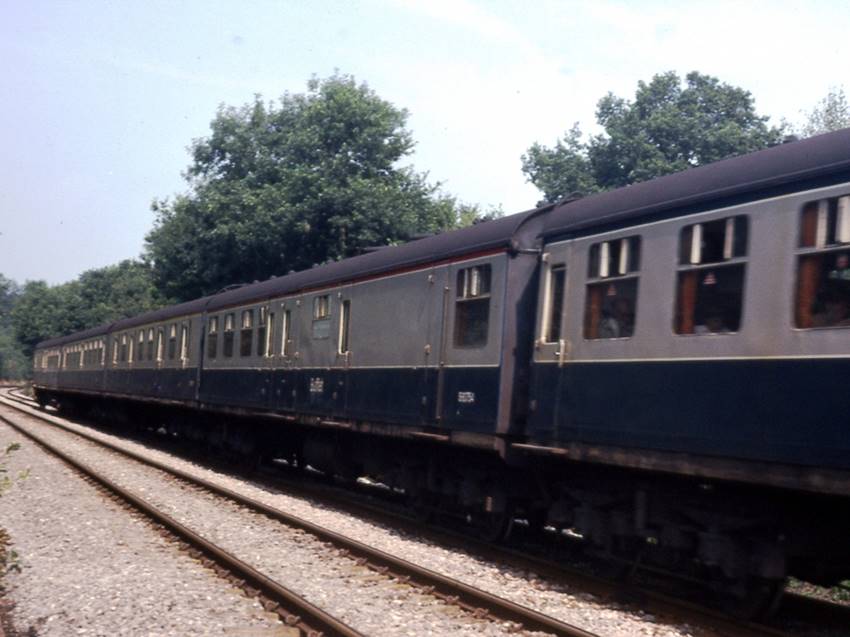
<point>713,322</point>
<point>835,310</point>
<point>617,319</point>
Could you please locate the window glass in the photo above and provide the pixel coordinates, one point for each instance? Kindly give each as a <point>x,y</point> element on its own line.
<point>823,266</point>
<point>141,347</point>
<point>261,333</point>
<point>269,336</point>
<point>160,344</point>
<point>184,342</point>
<point>246,335</point>
<point>610,306</point>
<point>172,341</point>
<point>212,337</point>
<point>228,336</point>
<point>322,316</point>
<point>710,284</point>
<point>344,320</point>
<point>150,344</point>
<point>286,329</point>
<point>555,303</point>
<point>472,306</point>
<point>321,307</point>
<point>123,350</point>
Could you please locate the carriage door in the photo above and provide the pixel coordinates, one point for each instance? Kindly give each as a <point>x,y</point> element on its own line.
<point>342,360</point>
<point>552,343</point>
<point>287,327</point>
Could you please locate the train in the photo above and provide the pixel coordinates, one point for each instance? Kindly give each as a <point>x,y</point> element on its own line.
<point>658,371</point>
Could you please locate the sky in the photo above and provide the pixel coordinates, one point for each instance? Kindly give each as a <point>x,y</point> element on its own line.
<point>100,100</point>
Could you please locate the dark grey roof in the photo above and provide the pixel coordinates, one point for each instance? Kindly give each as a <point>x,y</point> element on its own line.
<point>76,336</point>
<point>811,158</point>
<point>499,233</point>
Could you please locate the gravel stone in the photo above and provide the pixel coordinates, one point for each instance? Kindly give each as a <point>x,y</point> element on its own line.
<point>88,567</point>
<point>367,601</point>
<point>572,606</point>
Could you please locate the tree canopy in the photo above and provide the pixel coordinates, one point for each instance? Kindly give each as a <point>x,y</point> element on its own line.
<point>281,187</point>
<point>666,128</point>
<point>829,114</point>
<point>96,297</point>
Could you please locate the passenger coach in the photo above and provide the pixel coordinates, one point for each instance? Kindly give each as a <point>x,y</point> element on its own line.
<point>659,369</point>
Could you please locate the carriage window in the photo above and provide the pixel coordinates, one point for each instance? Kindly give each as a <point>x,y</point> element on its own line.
<point>246,335</point>
<point>172,342</point>
<point>130,348</point>
<point>823,265</point>
<point>160,344</point>
<point>269,339</point>
<point>261,332</point>
<point>228,335</point>
<point>321,307</point>
<point>150,344</point>
<point>286,329</point>
<point>123,355</point>
<point>710,289</point>
<point>344,320</point>
<point>611,297</point>
<point>212,337</point>
<point>472,306</point>
<point>184,342</point>
<point>141,345</point>
<point>554,309</point>
<point>321,316</point>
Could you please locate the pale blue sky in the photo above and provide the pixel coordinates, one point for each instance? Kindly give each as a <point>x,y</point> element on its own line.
<point>101,99</point>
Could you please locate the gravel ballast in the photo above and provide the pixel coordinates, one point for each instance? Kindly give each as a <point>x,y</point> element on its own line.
<point>88,567</point>
<point>369,602</point>
<point>526,588</point>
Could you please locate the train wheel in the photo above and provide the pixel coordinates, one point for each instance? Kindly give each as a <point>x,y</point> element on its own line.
<point>760,600</point>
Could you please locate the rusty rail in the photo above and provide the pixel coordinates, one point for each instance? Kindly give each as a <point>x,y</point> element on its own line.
<point>474,600</point>
<point>309,619</point>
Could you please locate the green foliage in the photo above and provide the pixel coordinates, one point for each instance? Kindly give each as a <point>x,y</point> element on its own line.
<point>829,114</point>
<point>96,297</point>
<point>14,364</point>
<point>276,188</point>
<point>668,127</point>
<point>6,481</point>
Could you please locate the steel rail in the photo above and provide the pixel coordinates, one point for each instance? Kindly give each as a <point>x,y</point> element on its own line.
<point>308,618</point>
<point>479,602</point>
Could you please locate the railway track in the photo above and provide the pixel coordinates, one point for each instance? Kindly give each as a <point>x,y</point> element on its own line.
<point>293,609</point>
<point>476,602</point>
<point>832,615</point>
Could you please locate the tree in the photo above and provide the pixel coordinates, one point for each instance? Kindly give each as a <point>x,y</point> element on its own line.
<point>96,297</point>
<point>829,114</point>
<point>13,363</point>
<point>666,128</point>
<point>276,188</point>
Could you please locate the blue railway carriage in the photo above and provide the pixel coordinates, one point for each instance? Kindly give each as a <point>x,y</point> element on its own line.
<point>351,367</point>
<point>659,369</point>
<point>698,326</point>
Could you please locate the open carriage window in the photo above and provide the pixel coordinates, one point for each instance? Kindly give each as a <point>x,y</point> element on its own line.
<point>710,285</point>
<point>823,266</point>
<point>611,300</point>
<point>228,335</point>
<point>472,306</point>
<point>246,336</point>
<point>212,337</point>
<point>553,311</point>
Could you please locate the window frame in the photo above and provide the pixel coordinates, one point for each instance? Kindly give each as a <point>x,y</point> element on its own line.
<point>627,271</point>
<point>830,222</point>
<point>688,262</point>
<point>469,281</point>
